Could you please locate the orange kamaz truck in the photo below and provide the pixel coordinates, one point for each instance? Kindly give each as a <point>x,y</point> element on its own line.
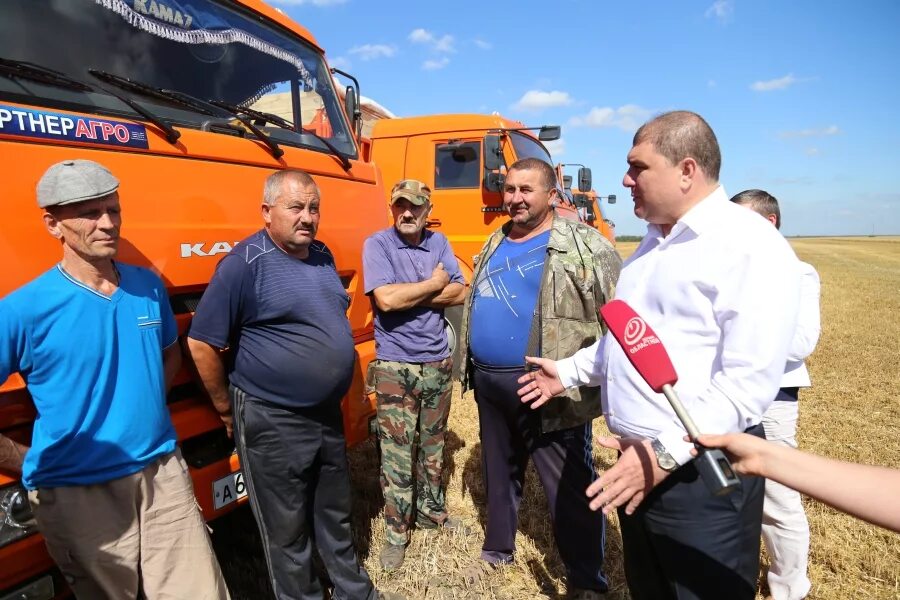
<point>170,95</point>
<point>586,200</point>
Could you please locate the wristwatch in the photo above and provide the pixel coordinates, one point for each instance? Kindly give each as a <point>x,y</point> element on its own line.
<point>663,458</point>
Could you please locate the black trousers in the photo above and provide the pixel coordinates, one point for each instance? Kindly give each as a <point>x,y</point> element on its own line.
<point>295,468</point>
<point>684,543</point>
<point>510,434</point>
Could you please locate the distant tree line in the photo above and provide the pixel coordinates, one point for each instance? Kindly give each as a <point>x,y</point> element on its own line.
<point>629,238</point>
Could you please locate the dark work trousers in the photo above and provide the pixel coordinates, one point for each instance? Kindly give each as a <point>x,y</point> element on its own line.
<point>510,434</point>
<point>684,543</point>
<point>295,468</point>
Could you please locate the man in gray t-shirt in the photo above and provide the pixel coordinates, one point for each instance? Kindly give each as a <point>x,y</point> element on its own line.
<point>411,276</point>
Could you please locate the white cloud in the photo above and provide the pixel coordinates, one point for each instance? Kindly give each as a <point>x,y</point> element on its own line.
<point>483,44</point>
<point>812,151</point>
<point>311,2</point>
<point>339,62</point>
<point>421,36</point>
<point>434,65</point>
<point>711,83</point>
<point>373,51</point>
<point>444,44</point>
<point>438,44</point>
<point>556,148</point>
<point>774,84</point>
<point>627,118</point>
<point>721,10</point>
<point>806,133</point>
<point>537,100</point>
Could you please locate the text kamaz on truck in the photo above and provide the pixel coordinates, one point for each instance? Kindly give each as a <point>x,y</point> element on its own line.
<point>167,95</point>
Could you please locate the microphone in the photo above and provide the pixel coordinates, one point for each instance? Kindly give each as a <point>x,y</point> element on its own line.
<point>650,359</point>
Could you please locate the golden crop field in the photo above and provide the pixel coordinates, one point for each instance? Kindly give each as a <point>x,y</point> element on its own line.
<point>852,412</point>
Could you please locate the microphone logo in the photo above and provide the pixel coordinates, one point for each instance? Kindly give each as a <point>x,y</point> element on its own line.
<point>634,330</point>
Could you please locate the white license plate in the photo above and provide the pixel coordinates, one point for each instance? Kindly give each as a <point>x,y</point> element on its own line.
<point>228,489</point>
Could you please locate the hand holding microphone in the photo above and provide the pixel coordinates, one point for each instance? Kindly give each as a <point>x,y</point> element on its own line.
<point>650,359</point>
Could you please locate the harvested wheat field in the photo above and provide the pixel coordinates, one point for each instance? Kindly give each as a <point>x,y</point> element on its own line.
<point>851,413</point>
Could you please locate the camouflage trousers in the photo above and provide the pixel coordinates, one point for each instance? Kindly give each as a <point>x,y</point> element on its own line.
<point>413,405</point>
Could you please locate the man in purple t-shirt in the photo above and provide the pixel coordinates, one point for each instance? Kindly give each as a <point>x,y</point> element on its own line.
<point>411,276</point>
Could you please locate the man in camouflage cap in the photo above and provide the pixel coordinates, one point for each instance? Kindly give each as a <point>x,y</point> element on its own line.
<point>538,284</point>
<point>411,275</point>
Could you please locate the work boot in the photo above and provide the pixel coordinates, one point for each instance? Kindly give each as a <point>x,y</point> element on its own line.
<point>390,596</point>
<point>392,556</point>
<point>452,524</point>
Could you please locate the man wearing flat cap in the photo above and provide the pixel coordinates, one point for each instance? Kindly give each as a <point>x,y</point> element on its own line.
<point>411,275</point>
<point>96,342</point>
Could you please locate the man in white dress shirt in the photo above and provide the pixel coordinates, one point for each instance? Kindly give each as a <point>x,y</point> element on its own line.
<point>785,529</point>
<point>719,287</point>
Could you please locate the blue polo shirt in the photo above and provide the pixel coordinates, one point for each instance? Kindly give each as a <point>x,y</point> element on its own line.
<point>417,334</point>
<point>285,320</point>
<point>504,299</point>
<point>93,366</point>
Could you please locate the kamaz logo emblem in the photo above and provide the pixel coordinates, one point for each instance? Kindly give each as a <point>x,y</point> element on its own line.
<point>206,249</point>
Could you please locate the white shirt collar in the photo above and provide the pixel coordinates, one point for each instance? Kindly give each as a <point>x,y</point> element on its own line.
<point>701,216</point>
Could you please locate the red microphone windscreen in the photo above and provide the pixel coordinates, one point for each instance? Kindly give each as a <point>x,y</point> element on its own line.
<point>640,344</point>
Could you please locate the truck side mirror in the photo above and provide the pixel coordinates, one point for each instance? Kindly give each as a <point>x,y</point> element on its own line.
<point>611,198</point>
<point>351,104</point>
<point>584,179</point>
<point>493,157</point>
<point>549,133</point>
<point>567,182</point>
<point>493,182</point>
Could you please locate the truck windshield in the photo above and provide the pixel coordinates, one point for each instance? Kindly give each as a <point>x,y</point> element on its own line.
<point>527,147</point>
<point>206,49</point>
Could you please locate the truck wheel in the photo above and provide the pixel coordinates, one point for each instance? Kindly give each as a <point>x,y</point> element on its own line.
<point>453,324</point>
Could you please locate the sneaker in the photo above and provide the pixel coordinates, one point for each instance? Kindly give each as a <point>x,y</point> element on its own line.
<point>392,556</point>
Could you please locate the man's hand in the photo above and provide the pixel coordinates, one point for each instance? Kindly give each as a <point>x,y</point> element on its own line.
<point>541,384</point>
<point>12,455</point>
<point>228,420</point>
<point>630,479</point>
<point>440,277</point>
<point>211,369</point>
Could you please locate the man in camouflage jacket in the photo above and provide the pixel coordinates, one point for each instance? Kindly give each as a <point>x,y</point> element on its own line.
<point>538,284</point>
<point>411,274</point>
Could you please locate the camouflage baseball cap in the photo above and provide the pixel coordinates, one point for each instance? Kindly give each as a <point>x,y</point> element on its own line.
<point>413,190</point>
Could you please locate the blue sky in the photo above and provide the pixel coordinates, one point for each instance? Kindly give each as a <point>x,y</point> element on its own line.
<point>803,95</point>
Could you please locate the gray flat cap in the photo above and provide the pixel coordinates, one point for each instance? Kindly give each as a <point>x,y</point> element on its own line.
<point>72,181</point>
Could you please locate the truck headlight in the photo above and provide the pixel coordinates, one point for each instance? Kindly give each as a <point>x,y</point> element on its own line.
<point>16,519</point>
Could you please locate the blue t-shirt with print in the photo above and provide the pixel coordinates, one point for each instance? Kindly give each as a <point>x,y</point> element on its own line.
<point>94,368</point>
<point>504,298</point>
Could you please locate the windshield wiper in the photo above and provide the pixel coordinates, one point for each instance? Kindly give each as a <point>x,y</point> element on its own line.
<point>284,124</point>
<point>256,114</point>
<point>146,90</point>
<point>183,99</point>
<point>26,70</point>
<point>273,146</point>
